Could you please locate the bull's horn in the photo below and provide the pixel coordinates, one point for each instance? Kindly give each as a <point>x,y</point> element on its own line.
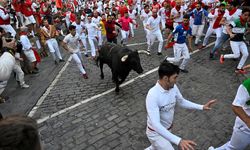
<point>124,58</point>
<point>143,51</point>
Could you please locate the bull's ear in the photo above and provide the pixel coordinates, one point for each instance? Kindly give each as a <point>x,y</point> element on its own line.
<point>124,58</point>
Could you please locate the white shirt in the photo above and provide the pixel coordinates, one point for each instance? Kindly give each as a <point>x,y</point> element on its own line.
<point>92,29</point>
<point>144,17</point>
<point>3,15</point>
<point>154,23</point>
<point>34,6</point>
<point>25,42</point>
<point>72,43</point>
<point>160,105</point>
<point>174,12</point>
<point>231,18</point>
<point>162,13</point>
<point>96,20</point>
<point>79,29</point>
<point>132,14</point>
<point>240,100</point>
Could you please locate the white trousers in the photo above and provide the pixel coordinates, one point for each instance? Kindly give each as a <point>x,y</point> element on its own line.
<point>54,48</point>
<point>84,42</point>
<point>131,26</point>
<point>9,28</point>
<point>19,74</point>
<point>100,40</point>
<point>156,35</point>
<point>125,35</point>
<point>197,31</point>
<point>180,50</point>
<point>210,31</point>
<point>92,41</point>
<point>237,48</point>
<point>157,141</point>
<point>147,36</point>
<point>240,138</point>
<point>163,23</point>
<point>77,57</point>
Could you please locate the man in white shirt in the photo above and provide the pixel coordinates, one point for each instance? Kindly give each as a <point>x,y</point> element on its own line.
<point>145,14</point>
<point>160,104</point>
<point>92,29</point>
<point>97,19</point>
<point>80,31</point>
<point>153,25</point>
<point>132,14</point>
<point>72,45</point>
<point>27,49</point>
<point>241,132</point>
<point>177,13</point>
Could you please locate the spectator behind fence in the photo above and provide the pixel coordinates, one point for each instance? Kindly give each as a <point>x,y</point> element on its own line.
<point>19,133</point>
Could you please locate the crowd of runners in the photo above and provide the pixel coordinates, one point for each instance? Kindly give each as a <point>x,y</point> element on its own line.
<point>33,29</point>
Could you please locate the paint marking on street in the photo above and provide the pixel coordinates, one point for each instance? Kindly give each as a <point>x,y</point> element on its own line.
<point>39,121</point>
<point>51,86</point>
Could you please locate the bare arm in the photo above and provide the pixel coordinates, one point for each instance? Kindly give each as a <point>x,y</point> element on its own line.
<point>242,114</point>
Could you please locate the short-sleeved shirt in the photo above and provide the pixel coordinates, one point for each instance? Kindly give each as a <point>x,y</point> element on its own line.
<point>238,29</point>
<point>154,23</point>
<point>145,16</point>
<point>242,99</point>
<point>72,43</point>
<point>91,28</point>
<point>180,34</point>
<point>125,23</point>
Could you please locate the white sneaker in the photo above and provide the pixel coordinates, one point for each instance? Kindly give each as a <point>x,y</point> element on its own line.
<point>25,86</point>
<point>211,148</point>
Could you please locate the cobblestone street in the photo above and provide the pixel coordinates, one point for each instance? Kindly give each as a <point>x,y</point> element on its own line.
<point>79,114</point>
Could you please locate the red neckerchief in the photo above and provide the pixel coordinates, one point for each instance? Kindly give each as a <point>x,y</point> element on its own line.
<point>185,27</point>
<point>243,22</point>
<point>231,12</point>
<point>23,33</point>
<point>155,16</point>
<point>130,11</point>
<point>178,8</point>
<point>146,12</point>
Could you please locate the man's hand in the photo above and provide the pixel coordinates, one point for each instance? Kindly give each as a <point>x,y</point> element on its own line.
<point>209,104</point>
<point>187,145</point>
<point>232,36</point>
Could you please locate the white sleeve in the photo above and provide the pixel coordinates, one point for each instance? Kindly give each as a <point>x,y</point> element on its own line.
<point>185,103</point>
<point>25,42</point>
<point>149,21</point>
<point>154,116</point>
<point>241,97</point>
<point>4,16</point>
<point>65,40</point>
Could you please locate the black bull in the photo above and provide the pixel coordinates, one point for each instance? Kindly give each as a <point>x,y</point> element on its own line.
<point>121,61</point>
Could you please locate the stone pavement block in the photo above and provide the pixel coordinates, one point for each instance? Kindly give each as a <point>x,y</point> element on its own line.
<point>95,138</point>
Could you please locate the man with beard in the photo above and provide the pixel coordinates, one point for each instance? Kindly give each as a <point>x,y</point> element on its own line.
<point>160,104</point>
<point>111,33</point>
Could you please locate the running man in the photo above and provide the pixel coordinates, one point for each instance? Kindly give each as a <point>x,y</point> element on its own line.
<point>160,104</point>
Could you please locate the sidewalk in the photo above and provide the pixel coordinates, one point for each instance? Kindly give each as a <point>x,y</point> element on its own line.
<point>21,101</point>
